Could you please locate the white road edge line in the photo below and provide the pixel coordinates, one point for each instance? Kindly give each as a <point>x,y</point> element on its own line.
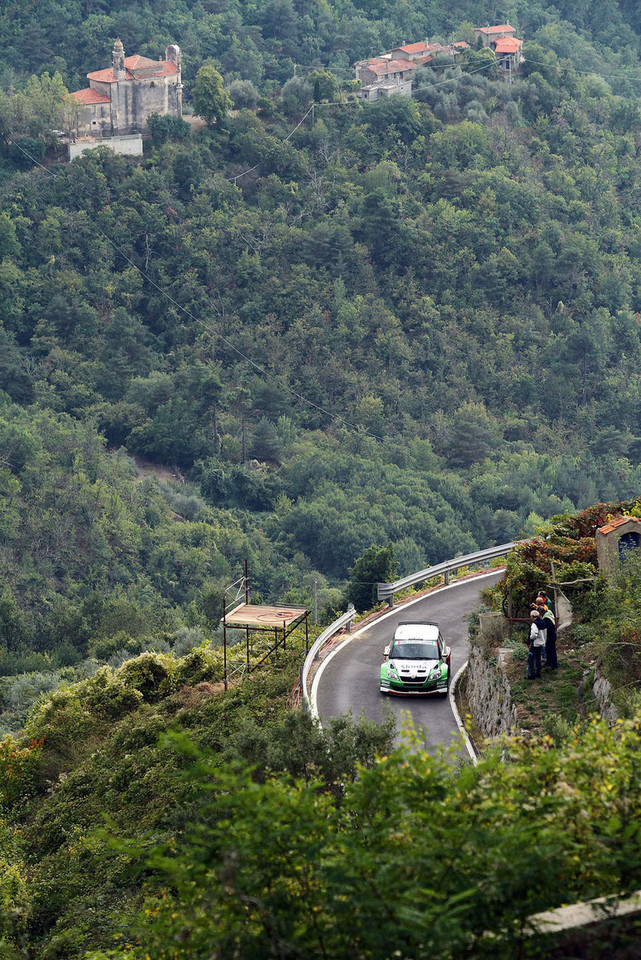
<point>457,715</point>
<point>378,620</point>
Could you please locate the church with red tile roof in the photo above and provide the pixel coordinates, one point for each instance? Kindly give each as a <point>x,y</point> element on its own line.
<point>121,98</point>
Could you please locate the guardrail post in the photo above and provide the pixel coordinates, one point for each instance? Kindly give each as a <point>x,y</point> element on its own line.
<point>446,578</point>
<point>350,608</point>
<point>390,601</point>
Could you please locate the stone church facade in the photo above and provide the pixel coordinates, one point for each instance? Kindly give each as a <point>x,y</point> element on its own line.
<point>121,98</point>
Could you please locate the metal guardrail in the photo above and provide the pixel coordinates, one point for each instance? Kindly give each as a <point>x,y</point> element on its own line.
<point>314,652</point>
<point>386,591</point>
<point>552,921</point>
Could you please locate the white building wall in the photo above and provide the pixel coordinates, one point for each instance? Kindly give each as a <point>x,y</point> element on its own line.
<point>130,146</point>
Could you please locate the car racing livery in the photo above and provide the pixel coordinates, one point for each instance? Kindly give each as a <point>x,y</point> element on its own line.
<point>416,661</point>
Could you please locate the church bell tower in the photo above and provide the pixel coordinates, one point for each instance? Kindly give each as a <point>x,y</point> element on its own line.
<point>118,61</point>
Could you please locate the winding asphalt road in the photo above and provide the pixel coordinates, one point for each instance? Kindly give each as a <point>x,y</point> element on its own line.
<point>348,678</point>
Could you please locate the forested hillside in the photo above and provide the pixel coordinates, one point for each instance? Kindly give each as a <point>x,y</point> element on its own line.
<point>264,41</point>
<point>413,320</point>
<point>146,814</point>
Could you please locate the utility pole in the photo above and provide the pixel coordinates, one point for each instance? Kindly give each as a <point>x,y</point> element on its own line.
<point>214,429</point>
<point>315,601</point>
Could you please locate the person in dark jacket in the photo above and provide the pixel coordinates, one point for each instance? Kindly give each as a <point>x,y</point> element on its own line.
<point>550,638</point>
<point>537,642</point>
<point>542,624</point>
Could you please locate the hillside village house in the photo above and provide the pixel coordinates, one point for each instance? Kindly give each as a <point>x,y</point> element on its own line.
<point>382,69</point>
<point>386,88</point>
<point>392,72</point>
<point>503,41</point>
<point>121,98</point>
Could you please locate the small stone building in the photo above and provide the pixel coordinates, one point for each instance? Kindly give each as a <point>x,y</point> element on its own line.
<point>490,35</point>
<point>386,88</point>
<point>383,69</point>
<point>121,98</point>
<point>615,540</point>
<point>508,53</point>
<point>411,51</point>
<point>503,41</point>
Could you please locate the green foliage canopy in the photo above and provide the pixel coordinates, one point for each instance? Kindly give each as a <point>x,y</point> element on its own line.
<point>281,865</point>
<point>211,102</point>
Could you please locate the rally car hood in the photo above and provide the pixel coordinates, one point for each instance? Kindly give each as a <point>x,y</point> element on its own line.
<point>412,668</point>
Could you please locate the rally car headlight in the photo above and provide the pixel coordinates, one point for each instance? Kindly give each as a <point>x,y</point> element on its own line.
<point>392,669</point>
<point>435,673</point>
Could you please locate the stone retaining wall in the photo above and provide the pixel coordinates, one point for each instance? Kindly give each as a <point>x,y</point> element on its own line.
<point>488,690</point>
<point>602,691</point>
<point>488,693</point>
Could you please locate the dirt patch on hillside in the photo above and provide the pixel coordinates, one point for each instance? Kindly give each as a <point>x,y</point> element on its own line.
<point>167,474</point>
<point>196,123</point>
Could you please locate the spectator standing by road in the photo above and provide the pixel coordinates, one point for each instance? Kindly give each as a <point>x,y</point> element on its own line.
<point>546,601</point>
<point>537,642</point>
<point>542,624</point>
<point>550,638</point>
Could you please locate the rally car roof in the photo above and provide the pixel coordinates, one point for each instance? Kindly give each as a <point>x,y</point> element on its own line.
<point>417,631</point>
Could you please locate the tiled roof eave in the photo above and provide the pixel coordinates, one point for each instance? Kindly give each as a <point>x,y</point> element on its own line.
<point>619,522</point>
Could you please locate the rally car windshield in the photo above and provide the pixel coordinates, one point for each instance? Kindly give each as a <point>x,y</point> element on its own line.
<point>413,650</point>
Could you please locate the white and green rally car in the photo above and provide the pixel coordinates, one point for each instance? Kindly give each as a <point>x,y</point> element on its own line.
<point>416,661</point>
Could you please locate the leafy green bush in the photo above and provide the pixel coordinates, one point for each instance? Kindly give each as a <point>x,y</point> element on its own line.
<point>199,665</point>
<point>377,565</point>
<point>17,770</point>
<point>282,862</point>
<point>14,893</point>
<point>164,128</point>
<point>152,675</point>
<point>557,728</point>
<point>25,152</point>
<point>20,693</point>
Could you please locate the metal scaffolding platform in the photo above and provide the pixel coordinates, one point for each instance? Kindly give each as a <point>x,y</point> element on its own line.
<point>266,628</point>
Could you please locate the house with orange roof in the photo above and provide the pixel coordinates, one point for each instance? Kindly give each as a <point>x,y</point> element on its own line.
<point>508,52</point>
<point>502,39</point>
<point>411,51</point>
<point>121,98</point>
<point>393,71</point>
<point>490,34</point>
<point>383,68</point>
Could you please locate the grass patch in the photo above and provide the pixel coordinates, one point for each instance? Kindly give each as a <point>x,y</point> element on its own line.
<point>559,697</point>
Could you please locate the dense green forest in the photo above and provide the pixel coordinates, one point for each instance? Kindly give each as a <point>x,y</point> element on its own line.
<point>413,321</point>
<point>266,41</point>
<point>412,325</point>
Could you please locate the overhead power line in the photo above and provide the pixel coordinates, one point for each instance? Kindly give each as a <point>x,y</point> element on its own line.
<point>355,100</point>
<point>585,73</point>
<point>265,373</point>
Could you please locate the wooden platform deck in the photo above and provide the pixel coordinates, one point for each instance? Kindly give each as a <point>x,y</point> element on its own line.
<point>256,616</point>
